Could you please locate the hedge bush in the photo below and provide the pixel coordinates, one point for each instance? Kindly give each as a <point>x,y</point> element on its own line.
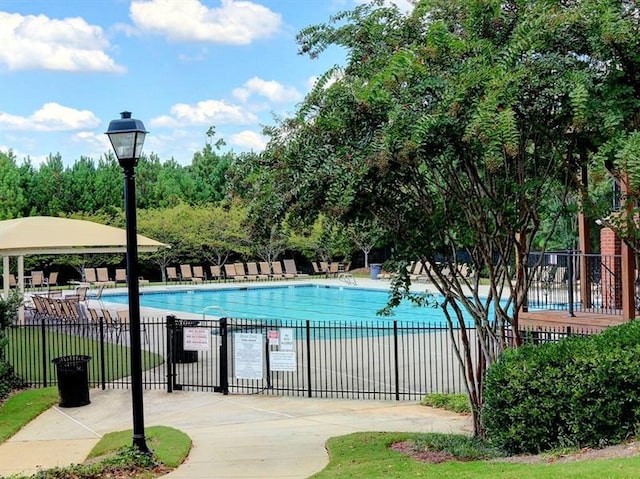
<point>579,392</point>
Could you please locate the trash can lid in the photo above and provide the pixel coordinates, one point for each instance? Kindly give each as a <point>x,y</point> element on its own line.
<point>74,358</point>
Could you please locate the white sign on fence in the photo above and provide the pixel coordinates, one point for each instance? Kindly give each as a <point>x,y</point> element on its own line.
<point>247,357</point>
<point>287,338</point>
<point>274,337</point>
<point>196,339</point>
<point>282,360</point>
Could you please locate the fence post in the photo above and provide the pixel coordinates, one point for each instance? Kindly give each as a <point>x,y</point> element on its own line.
<point>570,282</point>
<point>395,358</point>
<point>224,365</point>
<point>103,366</point>
<point>43,331</point>
<point>308,358</point>
<point>171,322</point>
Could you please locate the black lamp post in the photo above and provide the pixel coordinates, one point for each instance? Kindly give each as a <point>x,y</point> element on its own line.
<point>127,137</point>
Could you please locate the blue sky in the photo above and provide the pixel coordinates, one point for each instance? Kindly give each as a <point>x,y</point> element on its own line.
<point>68,67</point>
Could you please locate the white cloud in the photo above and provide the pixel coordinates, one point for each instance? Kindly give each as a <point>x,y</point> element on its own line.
<point>234,22</point>
<point>249,140</point>
<point>51,117</point>
<point>270,89</point>
<point>39,42</point>
<point>208,112</point>
<point>94,143</point>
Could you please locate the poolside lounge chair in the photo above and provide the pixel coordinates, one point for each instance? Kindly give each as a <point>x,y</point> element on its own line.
<point>187,275</point>
<point>240,272</point>
<point>324,267</point>
<point>290,268</point>
<point>199,274</point>
<point>216,271</point>
<point>37,279</point>
<point>90,276</point>
<point>52,279</point>
<point>103,277</point>
<point>316,268</point>
<point>252,271</point>
<point>276,266</point>
<point>98,295</point>
<point>121,276</point>
<point>122,323</point>
<point>416,272</point>
<point>80,294</point>
<point>172,274</point>
<point>265,269</point>
<point>230,272</point>
<point>334,268</point>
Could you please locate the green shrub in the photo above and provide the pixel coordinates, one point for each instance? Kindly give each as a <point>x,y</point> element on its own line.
<point>8,311</point>
<point>8,380</point>
<point>576,393</point>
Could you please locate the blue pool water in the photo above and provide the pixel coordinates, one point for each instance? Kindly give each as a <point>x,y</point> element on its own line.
<point>305,302</point>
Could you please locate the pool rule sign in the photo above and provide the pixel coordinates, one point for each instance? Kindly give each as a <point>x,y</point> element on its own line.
<point>247,357</point>
<point>284,357</point>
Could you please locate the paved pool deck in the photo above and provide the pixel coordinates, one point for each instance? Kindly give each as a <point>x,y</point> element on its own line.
<point>233,436</point>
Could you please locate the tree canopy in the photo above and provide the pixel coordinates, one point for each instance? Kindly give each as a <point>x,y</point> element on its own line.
<point>452,126</point>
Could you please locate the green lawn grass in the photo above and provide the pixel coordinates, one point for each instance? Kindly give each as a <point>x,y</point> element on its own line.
<point>23,407</point>
<point>25,353</point>
<point>369,455</point>
<point>169,445</point>
<point>451,402</point>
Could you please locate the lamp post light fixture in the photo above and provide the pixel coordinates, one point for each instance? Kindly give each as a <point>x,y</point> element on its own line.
<point>127,137</point>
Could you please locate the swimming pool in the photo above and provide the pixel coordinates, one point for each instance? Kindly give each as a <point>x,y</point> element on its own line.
<point>301,302</point>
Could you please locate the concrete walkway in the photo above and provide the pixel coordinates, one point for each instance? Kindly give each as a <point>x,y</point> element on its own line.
<point>233,436</point>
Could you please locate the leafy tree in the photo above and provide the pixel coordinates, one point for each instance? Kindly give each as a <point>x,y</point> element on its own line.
<point>168,226</point>
<point>219,232</point>
<point>172,185</point>
<point>209,173</point>
<point>366,235</point>
<point>80,191</point>
<point>147,174</point>
<point>8,312</point>
<point>48,188</point>
<point>451,126</point>
<point>12,196</point>
<point>108,184</point>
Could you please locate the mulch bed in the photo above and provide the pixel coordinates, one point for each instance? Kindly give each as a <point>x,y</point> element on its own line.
<point>424,455</point>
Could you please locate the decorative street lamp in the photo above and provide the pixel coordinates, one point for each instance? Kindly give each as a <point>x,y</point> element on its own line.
<point>127,137</point>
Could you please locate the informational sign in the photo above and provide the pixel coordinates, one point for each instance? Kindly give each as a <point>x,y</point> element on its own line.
<point>274,337</point>
<point>196,339</point>
<point>282,360</point>
<point>287,339</point>
<point>247,355</point>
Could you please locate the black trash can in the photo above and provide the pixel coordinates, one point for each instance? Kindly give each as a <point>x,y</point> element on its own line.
<point>73,380</point>
<point>180,355</point>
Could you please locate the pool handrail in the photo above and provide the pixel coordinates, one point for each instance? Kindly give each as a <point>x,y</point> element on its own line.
<point>213,306</point>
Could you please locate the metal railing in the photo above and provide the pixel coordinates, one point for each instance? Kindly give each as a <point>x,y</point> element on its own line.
<point>556,282</point>
<point>392,360</point>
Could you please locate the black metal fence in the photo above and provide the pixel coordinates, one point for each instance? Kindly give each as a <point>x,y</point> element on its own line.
<point>33,346</point>
<point>556,282</point>
<point>367,360</point>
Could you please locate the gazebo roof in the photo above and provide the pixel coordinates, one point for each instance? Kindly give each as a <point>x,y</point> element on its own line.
<point>51,235</point>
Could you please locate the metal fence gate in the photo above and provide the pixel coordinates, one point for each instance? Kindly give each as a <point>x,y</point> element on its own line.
<point>376,360</point>
<point>368,360</point>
